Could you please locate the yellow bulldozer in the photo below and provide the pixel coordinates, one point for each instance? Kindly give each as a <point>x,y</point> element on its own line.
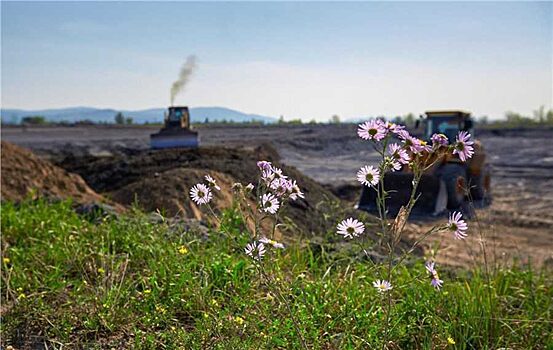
<point>448,183</point>
<point>176,132</point>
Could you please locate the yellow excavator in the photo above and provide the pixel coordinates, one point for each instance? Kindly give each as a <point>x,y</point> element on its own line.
<point>448,183</point>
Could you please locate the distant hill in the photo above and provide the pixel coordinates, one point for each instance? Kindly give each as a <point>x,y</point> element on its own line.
<point>152,115</point>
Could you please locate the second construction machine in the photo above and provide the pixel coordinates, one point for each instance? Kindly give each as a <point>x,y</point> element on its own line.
<point>448,183</point>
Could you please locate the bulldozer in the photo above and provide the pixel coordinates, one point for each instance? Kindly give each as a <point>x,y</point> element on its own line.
<point>447,183</point>
<point>176,132</point>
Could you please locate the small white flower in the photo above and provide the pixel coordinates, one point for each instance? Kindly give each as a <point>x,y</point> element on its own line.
<point>249,187</point>
<point>200,194</point>
<point>368,175</point>
<point>212,183</point>
<point>255,250</point>
<point>382,286</point>
<point>275,244</point>
<point>277,173</point>
<point>350,228</point>
<point>269,203</point>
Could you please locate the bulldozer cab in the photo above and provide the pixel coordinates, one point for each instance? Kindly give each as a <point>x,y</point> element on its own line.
<point>448,123</point>
<point>178,117</point>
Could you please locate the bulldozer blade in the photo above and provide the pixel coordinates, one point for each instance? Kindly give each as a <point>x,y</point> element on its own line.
<point>431,195</point>
<point>174,139</point>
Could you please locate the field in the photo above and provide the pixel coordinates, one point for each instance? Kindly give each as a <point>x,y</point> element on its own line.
<point>131,276</point>
<point>518,224</point>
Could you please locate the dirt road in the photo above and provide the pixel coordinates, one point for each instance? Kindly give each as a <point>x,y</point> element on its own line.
<point>519,223</point>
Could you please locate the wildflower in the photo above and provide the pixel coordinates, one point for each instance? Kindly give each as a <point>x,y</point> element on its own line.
<point>212,183</point>
<point>183,250</point>
<point>450,341</point>
<point>435,281</point>
<point>255,250</point>
<point>350,228</point>
<point>382,286</point>
<point>392,127</point>
<point>457,225</point>
<point>22,296</point>
<point>368,175</point>
<point>264,165</point>
<point>101,270</point>
<point>393,164</point>
<point>147,291</point>
<point>463,146</point>
<point>269,203</point>
<point>6,260</point>
<point>239,320</point>
<point>412,143</point>
<point>281,186</point>
<point>439,140</point>
<point>295,191</point>
<point>275,244</point>
<point>267,175</point>
<point>371,130</point>
<point>249,187</point>
<point>201,194</point>
<point>398,153</point>
<point>277,173</point>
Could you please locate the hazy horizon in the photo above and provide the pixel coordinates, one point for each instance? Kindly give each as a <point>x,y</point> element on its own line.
<point>299,60</point>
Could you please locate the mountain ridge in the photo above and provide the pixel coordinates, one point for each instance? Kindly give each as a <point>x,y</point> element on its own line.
<point>149,115</point>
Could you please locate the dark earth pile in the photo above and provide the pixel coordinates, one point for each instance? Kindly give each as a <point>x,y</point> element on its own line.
<point>161,180</point>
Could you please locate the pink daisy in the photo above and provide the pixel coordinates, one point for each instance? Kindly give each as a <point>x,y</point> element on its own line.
<point>371,130</point>
<point>439,140</point>
<point>457,225</point>
<point>398,153</point>
<point>463,146</point>
<point>435,281</point>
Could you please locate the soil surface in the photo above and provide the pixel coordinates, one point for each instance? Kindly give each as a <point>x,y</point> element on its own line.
<point>24,174</point>
<point>518,223</point>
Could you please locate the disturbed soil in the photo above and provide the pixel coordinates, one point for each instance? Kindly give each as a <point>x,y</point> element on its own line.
<point>115,161</point>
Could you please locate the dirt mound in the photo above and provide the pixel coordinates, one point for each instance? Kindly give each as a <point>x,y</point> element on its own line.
<point>161,180</point>
<point>24,173</point>
<point>168,192</point>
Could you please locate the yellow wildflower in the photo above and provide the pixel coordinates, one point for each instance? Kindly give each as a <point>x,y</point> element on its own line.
<point>450,341</point>
<point>6,260</point>
<point>239,320</point>
<point>101,270</point>
<point>183,250</point>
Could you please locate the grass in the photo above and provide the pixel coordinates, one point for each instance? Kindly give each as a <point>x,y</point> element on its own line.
<point>145,283</point>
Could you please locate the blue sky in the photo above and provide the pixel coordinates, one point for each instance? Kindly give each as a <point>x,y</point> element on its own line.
<point>307,60</point>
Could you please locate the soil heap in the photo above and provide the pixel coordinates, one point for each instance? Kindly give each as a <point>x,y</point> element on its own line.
<point>161,180</point>
<point>23,174</point>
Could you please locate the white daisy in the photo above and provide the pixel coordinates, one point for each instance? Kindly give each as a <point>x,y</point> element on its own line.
<point>350,228</point>
<point>200,194</point>
<point>368,175</point>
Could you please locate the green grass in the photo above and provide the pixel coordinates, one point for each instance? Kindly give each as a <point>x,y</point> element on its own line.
<point>128,283</point>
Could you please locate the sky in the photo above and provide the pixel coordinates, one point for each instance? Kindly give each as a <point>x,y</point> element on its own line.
<point>300,60</point>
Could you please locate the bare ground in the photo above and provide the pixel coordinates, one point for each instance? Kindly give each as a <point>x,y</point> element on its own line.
<point>518,224</point>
